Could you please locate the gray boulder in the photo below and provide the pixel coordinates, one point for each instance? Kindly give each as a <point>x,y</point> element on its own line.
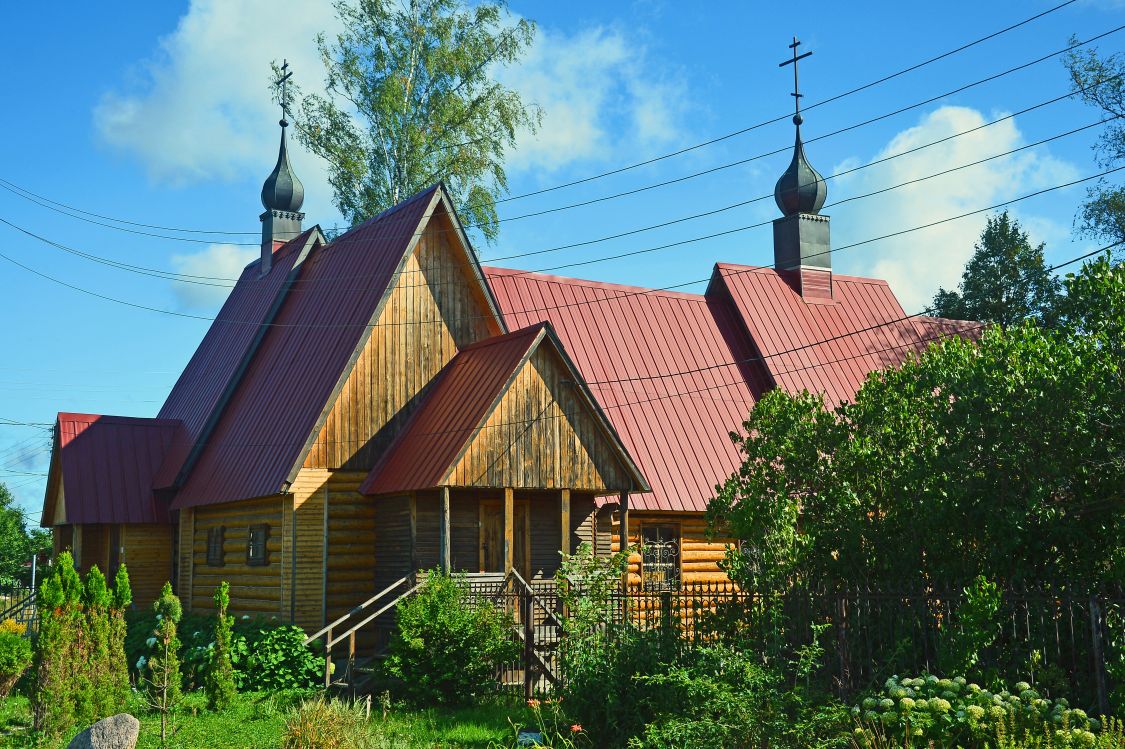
<point>115,732</point>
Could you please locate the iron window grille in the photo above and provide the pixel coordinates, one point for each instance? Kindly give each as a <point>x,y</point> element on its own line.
<point>660,557</point>
<point>257,555</point>
<point>215,538</point>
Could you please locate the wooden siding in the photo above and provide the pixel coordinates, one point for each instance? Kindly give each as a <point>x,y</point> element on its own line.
<point>541,435</point>
<point>253,589</point>
<point>394,548</point>
<point>147,554</point>
<point>350,572</point>
<point>699,557</point>
<point>185,559</point>
<point>433,310</point>
<point>91,547</point>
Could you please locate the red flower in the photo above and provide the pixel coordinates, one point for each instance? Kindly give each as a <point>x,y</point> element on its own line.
<point>576,728</point>
<point>533,703</point>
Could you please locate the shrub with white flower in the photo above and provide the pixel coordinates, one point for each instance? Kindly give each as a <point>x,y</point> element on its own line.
<point>955,712</point>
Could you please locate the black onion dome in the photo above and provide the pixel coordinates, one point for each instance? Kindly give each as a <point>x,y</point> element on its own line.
<point>282,190</point>
<point>800,189</point>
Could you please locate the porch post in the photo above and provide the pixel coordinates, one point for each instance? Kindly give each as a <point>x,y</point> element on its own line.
<point>413,533</point>
<point>509,528</point>
<point>443,513</point>
<point>623,544</point>
<point>564,514</point>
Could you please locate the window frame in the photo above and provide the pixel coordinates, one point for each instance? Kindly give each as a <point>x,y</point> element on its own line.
<point>216,539</point>
<point>676,568</point>
<point>262,559</point>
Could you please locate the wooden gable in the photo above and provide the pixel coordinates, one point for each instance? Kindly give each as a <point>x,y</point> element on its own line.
<point>544,432</point>
<point>437,305</point>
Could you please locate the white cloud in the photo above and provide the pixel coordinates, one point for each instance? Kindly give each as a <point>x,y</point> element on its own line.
<point>200,109</point>
<point>916,264</point>
<point>216,261</point>
<point>599,97</point>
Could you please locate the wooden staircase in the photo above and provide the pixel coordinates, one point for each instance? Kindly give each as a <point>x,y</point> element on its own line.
<point>536,628</point>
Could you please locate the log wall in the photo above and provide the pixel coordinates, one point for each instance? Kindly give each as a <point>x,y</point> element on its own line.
<point>699,557</point>
<point>254,590</point>
<point>147,555</point>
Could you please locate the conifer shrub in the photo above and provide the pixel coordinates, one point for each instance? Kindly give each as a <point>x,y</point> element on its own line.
<point>57,649</point>
<point>117,679</point>
<point>162,669</point>
<point>219,680</point>
<point>446,648</point>
<point>95,698</point>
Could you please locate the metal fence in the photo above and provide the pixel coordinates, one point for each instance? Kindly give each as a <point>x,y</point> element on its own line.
<point>1065,639</point>
<point>18,603</point>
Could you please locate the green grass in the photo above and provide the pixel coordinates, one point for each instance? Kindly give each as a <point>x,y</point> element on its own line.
<point>256,721</point>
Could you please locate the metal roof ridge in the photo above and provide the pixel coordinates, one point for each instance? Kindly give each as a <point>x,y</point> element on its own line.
<point>74,416</point>
<point>572,281</point>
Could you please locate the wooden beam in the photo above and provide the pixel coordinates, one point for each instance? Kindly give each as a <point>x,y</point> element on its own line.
<point>509,528</point>
<point>413,532</point>
<point>564,513</point>
<point>623,544</point>
<point>443,530</point>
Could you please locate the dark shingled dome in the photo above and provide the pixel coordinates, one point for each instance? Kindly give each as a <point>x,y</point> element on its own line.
<point>282,190</point>
<point>801,189</point>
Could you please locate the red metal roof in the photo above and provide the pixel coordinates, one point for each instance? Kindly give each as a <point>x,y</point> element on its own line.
<point>108,464</point>
<point>675,428</point>
<point>447,419</point>
<point>301,358</point>
<point>198,391</point>
<point>864,314</point>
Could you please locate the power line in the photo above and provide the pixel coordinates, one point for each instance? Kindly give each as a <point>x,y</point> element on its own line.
<point>187,315</point>
<point>5,184</point>
<point>761,358</point>
<point>980,40</point>
<point>187,278</point>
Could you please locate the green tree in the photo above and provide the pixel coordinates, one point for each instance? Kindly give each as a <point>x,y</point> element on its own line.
<point>96,700</point>
<point>57,648</point>
<point>410,100</point>
<point>1005,282</point>
<point>162,678</point>
<point>1099,81</point>
<point>219,679</point>
<point>1002,457</point>
<point>118,681</point>
<point>17,542</point>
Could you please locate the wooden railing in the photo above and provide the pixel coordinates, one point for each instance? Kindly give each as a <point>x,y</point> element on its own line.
<point>333,636</point>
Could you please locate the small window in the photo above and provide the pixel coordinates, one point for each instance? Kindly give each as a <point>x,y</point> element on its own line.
<point>660,557</point>
<point>256,553</point>
<point>215,538</point>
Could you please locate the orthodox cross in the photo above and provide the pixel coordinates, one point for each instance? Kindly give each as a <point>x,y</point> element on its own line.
<point>282,84</point>
<point>796,89</point>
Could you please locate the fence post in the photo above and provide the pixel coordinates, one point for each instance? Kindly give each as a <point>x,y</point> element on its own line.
<point>1098,654</point>
<point>526,613</point>
<point>842,640</point>
<point>328,659</point>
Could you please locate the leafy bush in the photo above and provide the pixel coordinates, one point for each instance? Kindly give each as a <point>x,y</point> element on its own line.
<point>281,660</point>
<point>978,626</point>
<point>446,648</point>
<point>15,657</point>
<point>322,723</point>
<point>1111,737</point>
<point>957,713</point>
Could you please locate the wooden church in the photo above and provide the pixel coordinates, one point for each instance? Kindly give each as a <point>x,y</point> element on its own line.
<point>379,404</point>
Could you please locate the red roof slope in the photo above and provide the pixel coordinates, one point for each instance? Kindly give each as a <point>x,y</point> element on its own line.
<point>197,392</point>
<point>675,428</point>
<point>864,317</point>
<point>108,464</point>
<point>266,424</point>
<point>458,401</point>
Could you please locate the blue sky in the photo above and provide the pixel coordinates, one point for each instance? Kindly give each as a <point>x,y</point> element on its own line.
<point>159,113</point>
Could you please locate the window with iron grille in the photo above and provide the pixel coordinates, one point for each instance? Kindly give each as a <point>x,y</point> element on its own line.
<point>660,557</point>
<point>257,555</point>
<point>215,538</point>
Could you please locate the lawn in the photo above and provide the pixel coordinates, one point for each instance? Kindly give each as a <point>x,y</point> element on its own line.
<point>256,721</point>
